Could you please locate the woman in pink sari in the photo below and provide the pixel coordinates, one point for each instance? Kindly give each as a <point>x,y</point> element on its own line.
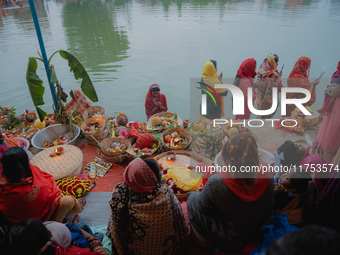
<point>155,102</point>
<point>327,141</point>
<point>245,79</point>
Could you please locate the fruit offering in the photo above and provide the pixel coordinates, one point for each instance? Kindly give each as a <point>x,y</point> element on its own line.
<point>93,127</point>
<point>116,147</point>
<point>167,121</point>
<point>174,140</point>
<point>62,139</point>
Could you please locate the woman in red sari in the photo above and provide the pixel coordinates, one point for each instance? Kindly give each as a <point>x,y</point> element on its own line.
<point>245,79</point>
<point>28,192</point>
<point>155,102</point>
<point>298,78</point>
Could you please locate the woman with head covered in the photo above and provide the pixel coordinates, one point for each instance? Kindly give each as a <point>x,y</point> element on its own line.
<point>155,102</point>
<point>146,216</point>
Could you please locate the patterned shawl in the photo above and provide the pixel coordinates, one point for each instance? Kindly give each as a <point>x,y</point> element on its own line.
<point>268,68</point>
<point>146,223</point>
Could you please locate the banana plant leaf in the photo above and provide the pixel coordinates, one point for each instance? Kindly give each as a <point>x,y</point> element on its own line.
<point>79,72</point>
<point>35,86</point>
<point>54,78</point>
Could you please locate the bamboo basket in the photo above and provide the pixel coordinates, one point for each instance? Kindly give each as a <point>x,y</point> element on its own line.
<point>29,134</point>
<point>149,126</point>
<point>132,152</point>
<point>88,122</point>
<point>107,143</point>
<point>89,112</point>
<point>182,133</point>
<point>311,121</point>
<point>118,157</point>
<point>98,136</point>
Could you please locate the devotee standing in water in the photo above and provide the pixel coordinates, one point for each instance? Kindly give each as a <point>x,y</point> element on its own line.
<point>208,81</point>
<point>245,79</point>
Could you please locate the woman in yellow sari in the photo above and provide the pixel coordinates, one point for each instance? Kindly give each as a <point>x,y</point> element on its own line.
<point>210,78</point>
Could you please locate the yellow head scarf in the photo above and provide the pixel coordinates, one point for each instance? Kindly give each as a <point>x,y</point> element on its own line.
<point>209,70</point>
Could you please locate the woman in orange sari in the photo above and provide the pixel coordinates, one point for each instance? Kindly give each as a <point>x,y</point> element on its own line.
<point>298,78</point>
<point>27,192</point>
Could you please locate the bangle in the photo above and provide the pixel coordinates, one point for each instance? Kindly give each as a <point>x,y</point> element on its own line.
<point>95,242</point>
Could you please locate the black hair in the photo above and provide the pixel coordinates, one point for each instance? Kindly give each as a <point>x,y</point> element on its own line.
<point>300,182</point>
<point>2,139</point>
<point>154,166</point>
<point>15,164</point>
<point>28,237</point>
<point>276,58</point>
<point>291,157</point>
<point>311,240</point>
<point>214,62</point>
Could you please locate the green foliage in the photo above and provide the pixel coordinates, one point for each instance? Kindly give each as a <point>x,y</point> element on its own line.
<point>36,88</point>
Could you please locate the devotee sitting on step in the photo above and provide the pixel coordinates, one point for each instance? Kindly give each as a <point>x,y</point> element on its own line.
<point>28,192</point>
<point>146,217</point>
<point>230,210</point>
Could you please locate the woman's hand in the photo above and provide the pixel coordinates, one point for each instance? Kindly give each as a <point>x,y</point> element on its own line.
<point>314,83</point>
<point>220,76</point>
<point>280,73</point>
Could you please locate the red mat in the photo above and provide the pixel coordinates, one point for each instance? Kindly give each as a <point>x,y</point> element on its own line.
<point>115,173</point>
<point>111,178</point>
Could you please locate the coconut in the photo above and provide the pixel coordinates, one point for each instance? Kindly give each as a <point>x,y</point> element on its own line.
<point>156,121</point>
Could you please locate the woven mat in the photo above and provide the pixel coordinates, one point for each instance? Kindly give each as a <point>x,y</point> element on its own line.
<point>67,164</point>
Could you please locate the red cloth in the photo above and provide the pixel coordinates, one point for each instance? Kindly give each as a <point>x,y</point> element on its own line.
<point>150,104</point>
<point>247,193</point>
<point>247,69</point>
<point>336,74</point>
<point>35,197</point>
<point>139,176</point>
<point>74,250</point>
<point>298,78</point>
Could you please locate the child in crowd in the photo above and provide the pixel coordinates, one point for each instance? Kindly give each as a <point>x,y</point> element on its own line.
<point>32,237</point>
<point>296,196</point>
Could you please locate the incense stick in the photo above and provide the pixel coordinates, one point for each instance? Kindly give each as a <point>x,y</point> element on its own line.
<point>322,73</point>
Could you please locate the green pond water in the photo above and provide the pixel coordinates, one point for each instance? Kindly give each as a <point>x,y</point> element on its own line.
<point>128,45</point>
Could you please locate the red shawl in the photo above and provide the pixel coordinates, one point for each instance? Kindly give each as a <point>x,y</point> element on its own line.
<point>247,69</point>
<point>247,193</point>
<point>35,197</point>
<point>139,177</point>
<point>150,104</point>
